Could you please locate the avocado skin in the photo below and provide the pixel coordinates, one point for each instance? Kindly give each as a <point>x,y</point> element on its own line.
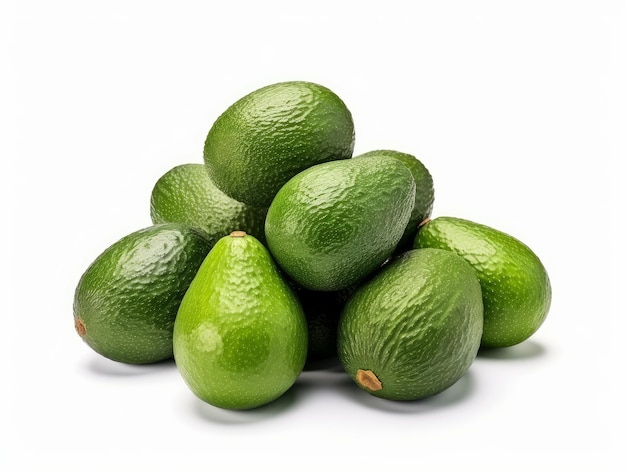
<point>322,310</point>
<point>240,336</point>
<point>271,134</point>
<point>516,288</point>
<point>186,194</point>
<point>334,223</point>
<point>126,301</point>
<point>416,325</point>
<point>424,193</point>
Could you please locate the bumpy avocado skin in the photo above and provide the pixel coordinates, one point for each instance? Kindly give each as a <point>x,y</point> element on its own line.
<point>415,326</point>
<point>334,223</point>
<point>186,194</point>
<point>127,299</point>
<point>240,336</point>
<point>271,134</point>
<point>516,288</point>
<point>424,193</point>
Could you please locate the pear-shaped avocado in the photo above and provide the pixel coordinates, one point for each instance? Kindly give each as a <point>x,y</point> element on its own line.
<point>414,328</point>
<point>127,299</point>
<point>186,194</point>
<point>334,223</point>
<point>240,337</point>
<point>515,285</point>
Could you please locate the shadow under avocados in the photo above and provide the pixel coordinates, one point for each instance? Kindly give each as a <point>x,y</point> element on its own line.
<point>246,416</point>
<point>455,394</point>
<point>527,350</point>
<point>99,365</point>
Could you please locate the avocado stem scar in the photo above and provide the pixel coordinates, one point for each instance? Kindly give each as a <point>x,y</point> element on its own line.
<point>424,222</point>
<point>368,380</point>
<point>79,325</point>
<point>238,234</point>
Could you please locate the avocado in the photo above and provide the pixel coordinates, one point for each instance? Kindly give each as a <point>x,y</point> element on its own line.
<point>240,336</point>
<point>516,288</point>
<point>414,328</point>
<point>333,223</point>
<point>322,310</point>
<point>271,134</point>
<point>186,194</point>
<point>424,193</point>
<point>127,299</point>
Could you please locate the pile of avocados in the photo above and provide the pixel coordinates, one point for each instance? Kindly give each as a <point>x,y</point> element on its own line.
<point>282,251</point>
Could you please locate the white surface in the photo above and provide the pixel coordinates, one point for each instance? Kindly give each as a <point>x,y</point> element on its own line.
<point>516,110</point>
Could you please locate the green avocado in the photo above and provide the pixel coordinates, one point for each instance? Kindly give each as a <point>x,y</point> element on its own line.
<point>334,223</point>
<point>127,299</point>
<point>322,310</point>
<point>240,337</point>
<point>271,134</point>
<point>414,328</point>
<point>515,285</point>
<point>424,193</point>
<point>186,194</point>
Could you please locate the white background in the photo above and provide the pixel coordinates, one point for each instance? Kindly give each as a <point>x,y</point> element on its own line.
<point>517,109</point>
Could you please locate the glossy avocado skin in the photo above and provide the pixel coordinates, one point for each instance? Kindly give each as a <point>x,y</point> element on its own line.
<point>240,337</point>
<point>127,299</point>
<point>186,194</point>
<point>271,134</point>
<point>424,193</point>
<point>516,288</point>
<point>414,328</point>
<point>334,223</point>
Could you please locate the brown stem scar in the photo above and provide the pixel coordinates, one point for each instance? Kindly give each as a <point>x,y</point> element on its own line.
<point>424,222</point>
<point>368,380</point>
<point>79,325</point>
<point>238,234</point>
